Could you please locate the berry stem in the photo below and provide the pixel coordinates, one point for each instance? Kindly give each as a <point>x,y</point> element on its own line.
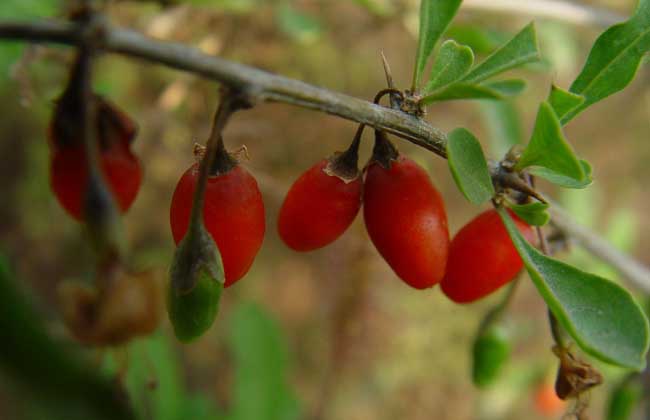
<point>215,153</point>
<point>100,214</point>
<point>384,152</point>
<point>346,165</point>
<point>223,160</point>
<point>495,313</point>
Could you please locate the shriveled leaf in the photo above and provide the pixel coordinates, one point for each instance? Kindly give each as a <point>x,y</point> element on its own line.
<point>534,214</point>
<point>519,50</point>
<point>468,166</point>
<point>452,62</point>
<point>564,101</point>
<point>549,149</point>
<point>613,60</point>
<point>602,317</point>
<point>562,180</point>
<point>435,16</point>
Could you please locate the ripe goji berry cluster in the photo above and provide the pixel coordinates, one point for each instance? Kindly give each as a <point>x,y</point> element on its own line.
<point>405,218</point>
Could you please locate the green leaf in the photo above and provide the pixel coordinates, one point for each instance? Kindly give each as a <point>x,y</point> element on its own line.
<point>299,26</point>
<point>452,63</point>
<point>260,351</point>
<point>468,166</point>
<point>534,214</point>
<point>509,87</point>
<point>564,101</point>
<point>381,8</point>
<point>562,180</point>
<point>495,90</point>
<point>613,60</point>
<point>519,50</point>
<point>549,149</point>
<point>624,399</point>
<point>503,124</point>
<point>435,16</point>
<point>481,40</point>
<point>602,317</point>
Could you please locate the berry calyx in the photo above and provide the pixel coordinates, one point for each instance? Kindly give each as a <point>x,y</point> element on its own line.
<point>482,258</point>
<point>323,202</point>
<point>233,212</point>
<point>405,216</point>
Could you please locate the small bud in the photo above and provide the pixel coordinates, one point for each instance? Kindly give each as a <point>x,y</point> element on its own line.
<point>197,279</point>
<point>491,350</point>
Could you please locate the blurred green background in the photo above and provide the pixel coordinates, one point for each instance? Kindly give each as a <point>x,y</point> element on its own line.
<point>331,334</point>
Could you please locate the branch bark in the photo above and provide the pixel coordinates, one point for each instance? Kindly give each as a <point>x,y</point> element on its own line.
<point>266,86</point>
<point>257,83</point>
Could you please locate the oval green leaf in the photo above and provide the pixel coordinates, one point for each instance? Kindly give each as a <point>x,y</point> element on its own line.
<point>468,166</point>
<point>613,60</point>
<point>497,90</point>
<point>521,49</point>
<point>435,16</point>
<point>534,214</point>
<point>602,317</point>
<point>549,149</point>
<point>452,62</point>
<point>565,181</point>
<point>563,101</point>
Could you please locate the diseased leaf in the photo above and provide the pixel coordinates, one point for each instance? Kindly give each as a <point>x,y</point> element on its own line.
<point>521,49</point>
<point>534,214</point>
<point>564,101</point>
<point>452,62</point>
<point>468,166</point>
<point>435,16</point>
<point>564,181</point>
<point>613,60</point>
<point>602,317</point>
<point>549,149</point>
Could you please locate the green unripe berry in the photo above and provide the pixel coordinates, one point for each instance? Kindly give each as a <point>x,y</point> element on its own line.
<point>490,351</point>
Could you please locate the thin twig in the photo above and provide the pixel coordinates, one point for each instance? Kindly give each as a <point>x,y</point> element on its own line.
<point>570,12</point>
<point>632,270</point>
